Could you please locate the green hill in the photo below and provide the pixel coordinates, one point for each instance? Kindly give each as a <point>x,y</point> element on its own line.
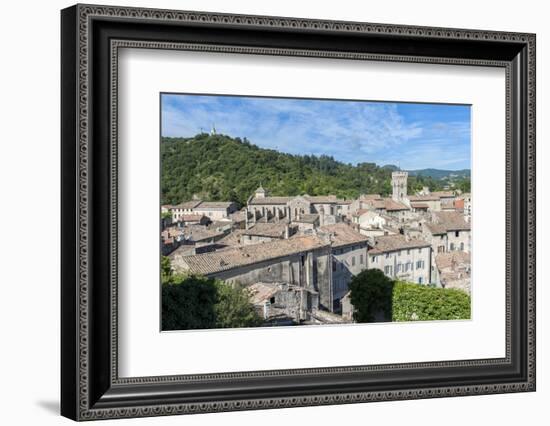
<point>219,168</point>
<point>441,174</point>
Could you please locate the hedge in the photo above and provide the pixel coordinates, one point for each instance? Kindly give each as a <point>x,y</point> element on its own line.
<point>376,297</point>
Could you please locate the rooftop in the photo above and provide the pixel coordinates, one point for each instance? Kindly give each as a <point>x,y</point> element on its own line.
<point>200,233</point>
<point>234,257</point>
<point>267,229</point>
<point>269,200</point>
<point>215,205</point>
<point>451,221</point>
<point>452,259</point>
<point>187,204</point>
<point>443,194</point>
<point>389,243</point>
<point>416,205</point>
<point>343,235</point>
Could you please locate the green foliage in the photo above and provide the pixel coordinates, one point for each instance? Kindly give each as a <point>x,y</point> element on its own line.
<point>377,297</point>
<point>165,270</point>
<point>417,302</point>
<point>218,167</point>
<point>195,302</point>
<point>188,303</point>
<point>371,294</point>
<point>233,308</point>
<point>166,215</point>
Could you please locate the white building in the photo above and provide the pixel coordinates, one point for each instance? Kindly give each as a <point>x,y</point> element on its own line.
<point>402,259</point>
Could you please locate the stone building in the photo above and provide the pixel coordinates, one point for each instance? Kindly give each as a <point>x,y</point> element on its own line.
<point>447,232</point>
<point>399,185</point>
<point>401,258</point>
<point>302,261</point>
<point>282,303</point>
<point>263,232</point>
<point>215,210</point>
<point>263,207</point>
<point>184,208</point>
<point>453,270</point>
<point>349,257</point>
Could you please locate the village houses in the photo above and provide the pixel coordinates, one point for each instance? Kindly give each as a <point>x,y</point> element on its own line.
<point>297,254</point>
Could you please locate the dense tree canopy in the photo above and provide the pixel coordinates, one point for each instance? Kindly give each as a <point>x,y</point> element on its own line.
<point>376,297</point>
<point>195,302</point>
<point>218,167</point>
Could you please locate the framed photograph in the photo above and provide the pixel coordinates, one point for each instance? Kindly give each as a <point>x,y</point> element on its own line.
<point>264,212</point>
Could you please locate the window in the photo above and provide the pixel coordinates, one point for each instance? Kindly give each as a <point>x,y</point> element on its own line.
<point>373,259</point>
<point>387,255</point>
<point>457,233</point>
<point>419,250</point>
<point>334,265</point>
<point>361,259</point>
<point>353,261</point>
<point>388,270</point>
<point>398,268</point>
<point>408,251</point>
<point>420,264</point>
<point>399,253</point>
<point>420,280</point>
<point>303,259</point>
<point>461,246</point>
<point>452,246</point>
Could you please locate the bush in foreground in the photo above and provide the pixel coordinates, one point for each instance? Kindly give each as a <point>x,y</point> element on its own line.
<point>376,297</point>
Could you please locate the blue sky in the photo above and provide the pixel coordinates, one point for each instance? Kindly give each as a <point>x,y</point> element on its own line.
<point>412,136</point>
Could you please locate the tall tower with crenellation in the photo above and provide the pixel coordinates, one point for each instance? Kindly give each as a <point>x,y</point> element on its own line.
<point>399,185</point>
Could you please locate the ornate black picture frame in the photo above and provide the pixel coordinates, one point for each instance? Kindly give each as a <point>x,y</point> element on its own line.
<point>91,37</point>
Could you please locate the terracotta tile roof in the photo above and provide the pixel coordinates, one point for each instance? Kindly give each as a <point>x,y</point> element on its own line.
<point>233,238</point>
<point>443,194</point>
<point>360,212</point>
<point>459,204</point>
<point>419,205</point>
<point>343,235</point>
<point>389,243</point>
<point>260,292</point>
<point>234,257</point>
<point>386,204</point>
<point>452,259</point>
<point>344,201</point>
<point>391,205</point>
<point>436,229</point>
<point>451,221</point>
<point>365,197</point>
<point>187,204</point>
<point>269,200</point>
<point>214,205</point>
<point>413,198</point>
<point>275,230</point>
<point>200,233</point>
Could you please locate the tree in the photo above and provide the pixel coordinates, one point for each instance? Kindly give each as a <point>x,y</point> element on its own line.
<point>371,295</point>
<point>233,307</point>
<point>376,297</point>
<point>196,302</point>
<point>188,303</point>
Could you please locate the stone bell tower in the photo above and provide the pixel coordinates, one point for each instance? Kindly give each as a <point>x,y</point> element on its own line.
<point>399,185</point>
